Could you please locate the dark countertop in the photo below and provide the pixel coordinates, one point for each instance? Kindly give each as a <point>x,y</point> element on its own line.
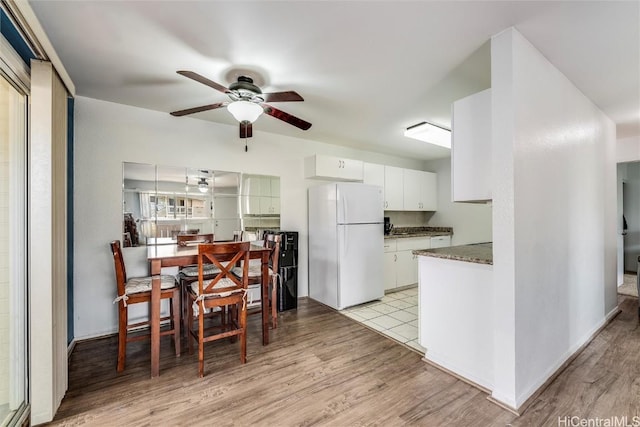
<point>405,232</point>
<point>479,253</point>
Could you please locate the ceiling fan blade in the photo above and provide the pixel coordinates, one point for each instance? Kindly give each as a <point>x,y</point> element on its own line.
<point>282,96</point>
<point>286,117</point>
<point>199,109</point>
<point>246,130</point>
<point>205,81</point>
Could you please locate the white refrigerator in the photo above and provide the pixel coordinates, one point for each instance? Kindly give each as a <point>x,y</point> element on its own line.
<point>346,244</point>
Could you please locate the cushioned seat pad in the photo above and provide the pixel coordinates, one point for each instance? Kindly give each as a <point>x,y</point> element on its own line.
<point>215,292</point>
<point>143,284</point>
<point>192,270</point>
<point>254,271</point>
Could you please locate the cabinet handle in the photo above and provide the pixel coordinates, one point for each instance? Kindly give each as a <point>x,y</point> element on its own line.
<point>386,204</point>
<point>395,258</point>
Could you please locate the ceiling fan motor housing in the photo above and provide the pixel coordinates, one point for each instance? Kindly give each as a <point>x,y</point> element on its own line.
<point>245,88</point>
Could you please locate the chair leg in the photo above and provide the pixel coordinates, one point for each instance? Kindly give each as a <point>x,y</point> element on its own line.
<point>176,303</point>
<point>185,309</point>
<point>201,342</point>
<point>233,318</point>
<point>189,324</point>
<point>274,302</point>
<point>243,333</point>
<point>123,319</point>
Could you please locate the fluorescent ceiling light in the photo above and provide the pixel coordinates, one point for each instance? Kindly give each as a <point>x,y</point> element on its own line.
<point>433,134</point>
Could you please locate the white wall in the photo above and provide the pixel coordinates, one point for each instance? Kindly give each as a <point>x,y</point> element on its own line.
<point>471,222</point>
<point>628,149</point>
<point>554,212</point>
<point>106,134</point>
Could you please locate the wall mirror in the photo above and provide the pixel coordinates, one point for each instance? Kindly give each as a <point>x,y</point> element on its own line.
<point>159,202</point>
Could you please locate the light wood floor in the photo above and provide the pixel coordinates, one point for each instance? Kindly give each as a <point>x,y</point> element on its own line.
<point>323,368</point>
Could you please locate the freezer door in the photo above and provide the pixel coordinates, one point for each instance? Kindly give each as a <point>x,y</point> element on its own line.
<point>359,204</point>
<point>360,264</point>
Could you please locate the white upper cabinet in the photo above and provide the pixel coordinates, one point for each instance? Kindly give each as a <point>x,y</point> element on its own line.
<point>374,175</point>
<point>260,195</point>
<point>471,148</point>
<point>420,190</point>
<point>393,189</point>
<point>333,168</point>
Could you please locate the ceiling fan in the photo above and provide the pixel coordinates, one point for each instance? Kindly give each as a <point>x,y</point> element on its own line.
<point>247,103</point>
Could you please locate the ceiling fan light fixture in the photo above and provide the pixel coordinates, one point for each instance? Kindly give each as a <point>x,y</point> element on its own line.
<point>245,111</point>
<point>203,186</point>
<point>427,132</point>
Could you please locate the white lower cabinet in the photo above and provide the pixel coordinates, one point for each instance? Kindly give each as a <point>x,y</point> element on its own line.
<point>389,266</point>
<point>400,264</point>
<point>406,268</point>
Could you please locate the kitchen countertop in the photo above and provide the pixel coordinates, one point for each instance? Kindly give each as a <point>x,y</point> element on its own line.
<point>405,232</point>
<point>479,253</point>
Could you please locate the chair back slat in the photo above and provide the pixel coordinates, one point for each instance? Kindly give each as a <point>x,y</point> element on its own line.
<point>224,256</point>
<point>118,261</point>
<point>185,239</point>
<point>272,241</point>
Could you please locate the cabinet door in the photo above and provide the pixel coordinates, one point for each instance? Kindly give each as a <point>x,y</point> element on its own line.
<point>406,268</point>
<point>265,186</point>
<point>471,148</point>
<point>250,206</point>
<point>389,268</point>
<point>373,174</point>
<point>351,169</point>
<point>440,241</point>
<point>269,205</point>
<point>275,187</point>
<point>429,191</point>
<point>334,168</point>
<point>251,185</point>
<point>412,180</point>
<point>420,190</point>
<point>275,205</point>
<point>393,189</point>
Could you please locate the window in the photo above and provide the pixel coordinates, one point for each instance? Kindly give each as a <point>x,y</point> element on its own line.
<point>13,250</point>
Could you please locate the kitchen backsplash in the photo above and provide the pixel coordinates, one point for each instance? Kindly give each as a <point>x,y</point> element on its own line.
<point>421,229</point>
<point>408,219</point>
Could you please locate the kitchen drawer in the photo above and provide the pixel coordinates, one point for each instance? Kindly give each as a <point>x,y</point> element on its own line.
<point>412,243</point>
<point>390,245</point>
<point>440,242</point>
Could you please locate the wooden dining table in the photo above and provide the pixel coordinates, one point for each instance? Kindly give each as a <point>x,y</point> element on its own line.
<point>173,255</point>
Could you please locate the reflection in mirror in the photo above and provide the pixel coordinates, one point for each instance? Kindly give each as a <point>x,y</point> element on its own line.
<point>160,202</point>
<point>260,203</point>
<point>138,186</point>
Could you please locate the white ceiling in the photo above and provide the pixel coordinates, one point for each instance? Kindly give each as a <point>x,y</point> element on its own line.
<point>366,69</point>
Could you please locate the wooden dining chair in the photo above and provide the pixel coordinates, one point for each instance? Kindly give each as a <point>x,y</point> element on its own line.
<point>189,274</point>
<point>137,290</point>
<point>271,241</point>
<point>224,290</point>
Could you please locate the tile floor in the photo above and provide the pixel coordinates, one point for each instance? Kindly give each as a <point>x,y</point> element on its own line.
<point>395,316</point>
